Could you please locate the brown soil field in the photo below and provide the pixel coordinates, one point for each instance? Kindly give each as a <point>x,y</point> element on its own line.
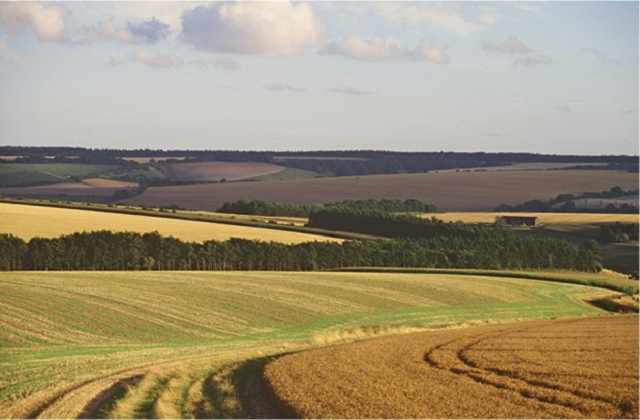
<point>109,183</point>
<point>27,222</point>
<point>545,218</point>
<point>215,171</point>
<point>9,158</point>
<point>579,368</point>
<point>449,191</point>
<point>529,166</point>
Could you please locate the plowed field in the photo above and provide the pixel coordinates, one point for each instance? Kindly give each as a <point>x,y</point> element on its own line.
<point>584,368</point>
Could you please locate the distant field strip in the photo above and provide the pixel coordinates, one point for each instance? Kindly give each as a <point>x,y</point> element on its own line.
<point>449,191</point>
<point>215,171</point>
<point>66,339</point>
<point>586,368</point>
<point>29,221</point>
<point>545,218</point>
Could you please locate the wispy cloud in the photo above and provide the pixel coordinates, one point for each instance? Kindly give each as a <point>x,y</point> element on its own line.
<point>279,87</point>
<point>511,45</point>
<point>157,60</point>
<point>224,62</point>
<point>563,106</point>
<point>348,90</point>
<point>379,48</point>
<point>602,57</point>
<point>534,61</point>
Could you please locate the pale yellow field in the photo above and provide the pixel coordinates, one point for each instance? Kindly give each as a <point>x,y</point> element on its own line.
<point>149,159</point>
<point>545,218</point>
<point>27,222</point>
<point>109,183</point>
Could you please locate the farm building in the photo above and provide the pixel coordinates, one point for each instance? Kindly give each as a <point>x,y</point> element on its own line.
<point>519,220</point>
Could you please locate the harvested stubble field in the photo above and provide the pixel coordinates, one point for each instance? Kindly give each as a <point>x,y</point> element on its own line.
<point>449,191</point>
<point>27,222</point>
<point>545,218</point>
<point>215,171</point>
<point>70,342</point>
<point>585,368</point>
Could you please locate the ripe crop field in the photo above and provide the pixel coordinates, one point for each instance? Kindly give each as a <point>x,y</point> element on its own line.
<point>108,183</point>
<point>215,171</point>
<point>545,218</point>
<point>449,191</point>
<point>29,221</point>
<point>584,368</point>
<point>72,342</point>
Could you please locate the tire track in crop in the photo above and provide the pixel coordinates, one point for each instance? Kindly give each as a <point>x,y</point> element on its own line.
<point>452,356</point>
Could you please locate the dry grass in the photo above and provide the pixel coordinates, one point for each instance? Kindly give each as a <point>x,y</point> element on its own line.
<point>67,338</point>
<point>149,159</point>
<point>586,368</point>
<point>450,191</point>
<point>215,171</point>
<point>109,183</point>
<point>29,221</point>
<point>545,218</point>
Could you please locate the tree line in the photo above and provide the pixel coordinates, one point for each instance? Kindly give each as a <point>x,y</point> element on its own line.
<point>565,203</point>
<point>106,250</point>
<point>618,232</point>
<point>272,208</point>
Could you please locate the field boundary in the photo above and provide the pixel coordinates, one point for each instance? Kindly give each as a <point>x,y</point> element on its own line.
<point>167,214</point>
<point>528,275</point>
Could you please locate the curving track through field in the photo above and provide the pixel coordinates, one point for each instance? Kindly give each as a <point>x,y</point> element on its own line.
<point>581,368</point>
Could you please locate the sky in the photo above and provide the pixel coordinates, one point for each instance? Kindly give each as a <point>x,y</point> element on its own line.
<point>545,77</point>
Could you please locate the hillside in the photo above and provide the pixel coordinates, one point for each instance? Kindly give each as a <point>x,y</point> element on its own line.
<point>27,222</point>
<point>449,191</point>
<point>73,341</point>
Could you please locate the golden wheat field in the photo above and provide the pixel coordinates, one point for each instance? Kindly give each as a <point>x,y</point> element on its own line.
<point>167,344</point>
<point>109,183</point>
<point>26,222</point>
<point>584,368</point>
<point>449,191</point>
<point>545,218</point>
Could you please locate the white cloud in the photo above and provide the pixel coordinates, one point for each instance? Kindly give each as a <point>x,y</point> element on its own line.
<point>279,87</point>
<point>115,62</point>
<point>161,61</point>
<point>49,22</point>
<point>534,60</point>
<point>379,48</point>
<point>523,6</point>
<point>440,16</point>
<point>146,32</point>
<point>348,90</point>
<point>511,45</point>
<point>257,28</point>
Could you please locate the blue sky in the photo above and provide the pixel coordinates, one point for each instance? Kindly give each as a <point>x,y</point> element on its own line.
<point>552,77</point>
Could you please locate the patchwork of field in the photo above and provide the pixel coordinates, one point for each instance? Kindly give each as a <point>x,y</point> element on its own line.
<point>449,191</point>
<point>216,171</point>
<point>544,218</point>
<point>26,222</point>
<point>585,368</point>
<point>59,169</point>
<point>72,342</point>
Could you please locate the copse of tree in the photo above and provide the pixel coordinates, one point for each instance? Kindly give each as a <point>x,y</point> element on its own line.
<point>105,250</point>
<point>618,232</point>
<point>564,203</point>
<point>271,208</point>
<point>381,223</point>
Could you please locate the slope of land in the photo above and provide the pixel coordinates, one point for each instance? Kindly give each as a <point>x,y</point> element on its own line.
<point>216,171</point>
<point>27,222</point>
<point>68,339</point>
<point>449,191</point>
<point>586,368</point>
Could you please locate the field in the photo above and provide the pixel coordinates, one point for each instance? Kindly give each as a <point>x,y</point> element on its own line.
<point>27,222</point>
<point>155,159</point>
<point>59,169</point>
<point>109,183</point>
<point>61,190</point>
<point>449,191</point>
<point>216,171</point>
<point>548,369</point>
<point>545,218</point>
<point>72,342</point>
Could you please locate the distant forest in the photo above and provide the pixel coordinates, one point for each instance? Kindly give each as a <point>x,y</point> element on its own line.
<point>353,162</point>
<point>272,208</point>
